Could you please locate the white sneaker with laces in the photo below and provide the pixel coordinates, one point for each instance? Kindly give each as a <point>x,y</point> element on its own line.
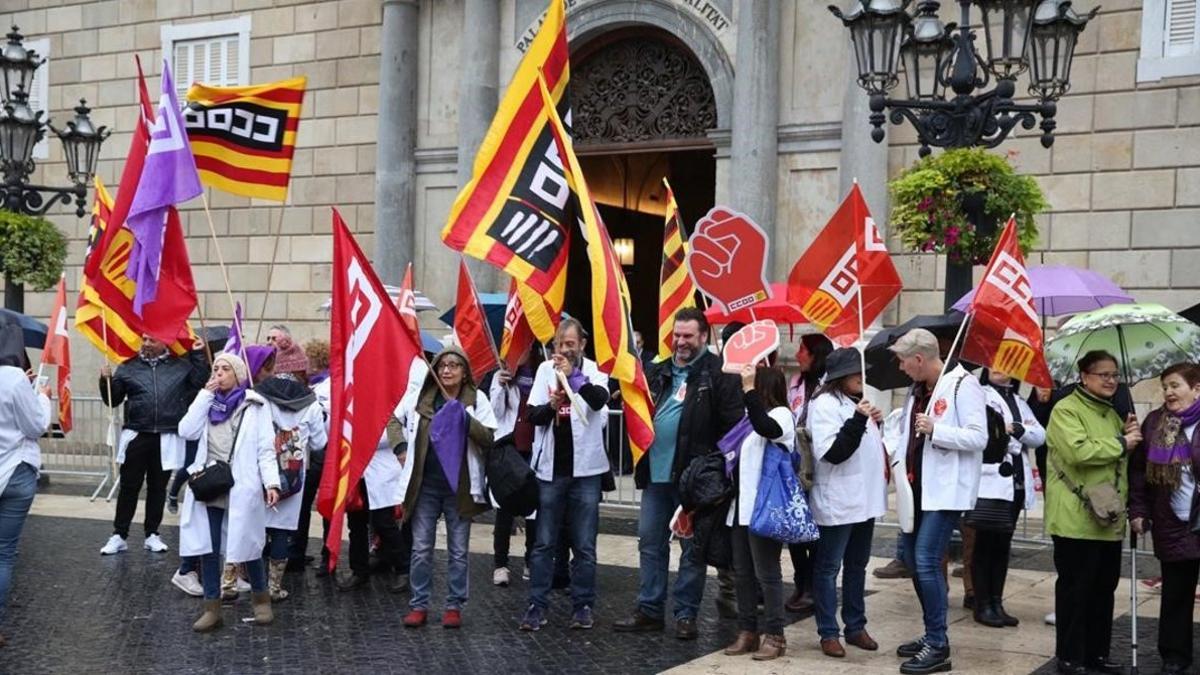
<point>154,544</point>
<point>188,583</point>
<point>500,577</point>
<point>114,545</point>
<point>242,585</point>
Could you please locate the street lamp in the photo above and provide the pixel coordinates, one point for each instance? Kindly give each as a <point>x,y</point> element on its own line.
<point>21,128</point>
<point>1018,35</point>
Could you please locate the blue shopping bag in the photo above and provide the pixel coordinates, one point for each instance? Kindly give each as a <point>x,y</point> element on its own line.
<point>781,508</point>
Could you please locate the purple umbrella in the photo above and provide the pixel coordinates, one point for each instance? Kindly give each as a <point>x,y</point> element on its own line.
<point>1059,290</point>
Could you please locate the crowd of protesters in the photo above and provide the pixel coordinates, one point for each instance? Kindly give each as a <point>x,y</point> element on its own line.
<point>237,447</point>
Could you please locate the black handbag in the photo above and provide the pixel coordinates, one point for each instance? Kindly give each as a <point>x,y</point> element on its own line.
<point>216,480</point>
<point>991,515</point>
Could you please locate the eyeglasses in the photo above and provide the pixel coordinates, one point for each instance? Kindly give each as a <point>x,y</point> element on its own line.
<point>1107,377</point>
<point>450,365</point>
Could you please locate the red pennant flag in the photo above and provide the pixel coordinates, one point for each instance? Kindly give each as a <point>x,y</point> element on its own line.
<point>847,255</point>
<point>57,352</point>
<point>1005,334</point>
<point>366,332</point>
<point>471,326</point>
<point>406,302</point>
<point>517,337</point>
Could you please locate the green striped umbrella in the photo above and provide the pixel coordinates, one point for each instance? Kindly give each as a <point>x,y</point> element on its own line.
<point>1145,338</point>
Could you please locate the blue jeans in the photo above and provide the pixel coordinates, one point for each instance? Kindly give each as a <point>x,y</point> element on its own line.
<point>277,543</point>
<point>14,508</point>
<point>923,553</point>
<point>210,563</point>
<point>659,501</point>
<point>845,547</point>
<point>436,499</point>
<point>576,500</point>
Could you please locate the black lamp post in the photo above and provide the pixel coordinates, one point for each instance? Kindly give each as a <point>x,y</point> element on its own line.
<point>21,128</point>
<point>1019,35</point>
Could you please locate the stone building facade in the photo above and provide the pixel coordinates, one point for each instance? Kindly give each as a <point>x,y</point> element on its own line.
<point>400,92</point>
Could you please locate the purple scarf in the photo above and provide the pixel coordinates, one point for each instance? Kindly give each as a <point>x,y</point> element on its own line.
<point>448,435</point>
<point>224,404</point>
<point>731,444</point>
<point>1169,448</point>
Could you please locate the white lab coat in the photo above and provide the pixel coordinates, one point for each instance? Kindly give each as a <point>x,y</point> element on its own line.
<point>244,532</point>
<point>591,458</point>
<point>991,484</point>
<point>313,436</point>
<point>172,449</point>
<point>506,403</point>
<point>952,459</point>
<point>855,490</point>
<point>407,414</point>
<point>750,465</point>
<point>24,416</point>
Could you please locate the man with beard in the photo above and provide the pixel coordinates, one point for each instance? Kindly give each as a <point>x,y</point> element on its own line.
<point>695,404</point>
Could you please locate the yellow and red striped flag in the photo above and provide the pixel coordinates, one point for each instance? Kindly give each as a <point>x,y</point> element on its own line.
<point>616,354</point>
<point>676,289</point>
<point>243,138</point>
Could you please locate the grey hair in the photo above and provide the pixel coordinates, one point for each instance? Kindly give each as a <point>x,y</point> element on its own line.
<point>917,341</point>
<point>570,322</point>
<point>282,329</point>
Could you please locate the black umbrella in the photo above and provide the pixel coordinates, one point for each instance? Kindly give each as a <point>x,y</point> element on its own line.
<point>215,336</point>
<point>883,369</point>
<point>32,330</point>
<point>1192,314</point>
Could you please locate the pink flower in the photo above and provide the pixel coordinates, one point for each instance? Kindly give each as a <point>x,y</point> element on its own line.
<point>925,204</point>
<point>952,234</point>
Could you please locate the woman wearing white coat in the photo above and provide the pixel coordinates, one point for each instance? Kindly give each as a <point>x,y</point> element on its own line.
<point>1004,489</point>
<point>756,559</point>
<point>849,492</point>
<point>232,424</point>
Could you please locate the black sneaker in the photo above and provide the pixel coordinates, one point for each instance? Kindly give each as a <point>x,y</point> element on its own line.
<point>929,660</point>
<point>911,649</point>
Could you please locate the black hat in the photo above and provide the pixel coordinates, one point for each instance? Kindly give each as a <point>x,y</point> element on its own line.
<point>842,362</point>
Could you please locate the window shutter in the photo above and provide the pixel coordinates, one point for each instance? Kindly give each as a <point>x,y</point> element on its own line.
<point>1182,30</point>
<point>212,61</point>
<point>39,95</point>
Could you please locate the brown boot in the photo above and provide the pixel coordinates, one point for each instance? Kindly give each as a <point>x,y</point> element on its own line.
<point>773,647</point>
<point>746,642</point>
<point>833,647</point>
<point>262,608</point>
<point>275,580</point>
<point>210,620</point>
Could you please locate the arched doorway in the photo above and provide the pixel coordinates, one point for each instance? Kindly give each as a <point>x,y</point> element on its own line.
<point>641,107</point>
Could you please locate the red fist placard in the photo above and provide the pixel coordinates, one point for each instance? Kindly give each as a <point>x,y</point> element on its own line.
<point>753,343</point>
<point>727,259</point>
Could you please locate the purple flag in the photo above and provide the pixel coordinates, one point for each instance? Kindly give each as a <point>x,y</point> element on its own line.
<point>234,344</point>
<point>448,435</point>
<point>168,178</point>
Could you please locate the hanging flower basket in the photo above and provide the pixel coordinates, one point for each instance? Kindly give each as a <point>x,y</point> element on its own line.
<point>32,250</point>
<point>955,202</point>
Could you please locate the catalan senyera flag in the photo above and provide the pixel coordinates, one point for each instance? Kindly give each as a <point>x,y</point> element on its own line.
<point>847,258</point>
<point>1004,333</point>
<point>612,329</point>
<point>57,352</point>
<point>517,336</point>
<point>676,288</point>
<point>511,214</point>
<point>243,138</point>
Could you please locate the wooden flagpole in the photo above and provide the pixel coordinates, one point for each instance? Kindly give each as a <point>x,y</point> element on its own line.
<point>270,273</point>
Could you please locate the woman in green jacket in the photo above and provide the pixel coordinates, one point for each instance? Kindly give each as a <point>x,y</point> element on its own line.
<point>1088,444</point>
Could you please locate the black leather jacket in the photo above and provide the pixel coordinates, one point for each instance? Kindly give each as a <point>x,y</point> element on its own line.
<point>156,394</point>
<point>711,406</point>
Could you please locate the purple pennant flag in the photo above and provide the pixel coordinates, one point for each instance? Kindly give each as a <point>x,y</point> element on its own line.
<point>731,444</point>
<point>168,178</point>
<point>234,344</point>
<point>448,434</point>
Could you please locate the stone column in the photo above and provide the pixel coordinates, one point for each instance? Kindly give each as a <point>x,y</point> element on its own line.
<point>478,96</point>
<point>861,157</point>
<point>395,153</point>
<point>754,156</point>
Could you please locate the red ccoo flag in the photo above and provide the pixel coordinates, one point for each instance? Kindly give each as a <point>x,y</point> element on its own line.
<point>847,256</point>
<point>366,331</point>
<point>1005,334</point>
<point>406,302</point>
<point>517,337</point>
<point>57,352</point>
<point>471,326</point>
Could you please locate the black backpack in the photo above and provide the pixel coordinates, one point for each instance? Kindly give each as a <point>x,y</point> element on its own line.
<point>997,435</point>
<point>512,481</point>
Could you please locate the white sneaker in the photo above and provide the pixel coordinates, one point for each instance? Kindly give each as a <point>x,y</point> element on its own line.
<point>154,544</point>
<point>115,544</point>
<point>242,585</point>
<point>500,577</point>
<point>188,583</point>
<point>1051,619</point>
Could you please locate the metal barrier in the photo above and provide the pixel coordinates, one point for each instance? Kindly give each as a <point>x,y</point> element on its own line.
<point>87,451</point>
<point>626,496</point>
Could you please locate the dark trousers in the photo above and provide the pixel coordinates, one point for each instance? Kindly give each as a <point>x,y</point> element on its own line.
<point>1088,572</point>
<point>989,565</point>
<point>503,532</point>
<point>298,547</point>
<point>142,463</point>
<point>756,565</point>
<point>391,543</point>
<point>1175,612</point>
<point>804,558</point>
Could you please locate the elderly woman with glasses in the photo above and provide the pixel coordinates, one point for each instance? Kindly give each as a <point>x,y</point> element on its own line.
<point>1088,446</point>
